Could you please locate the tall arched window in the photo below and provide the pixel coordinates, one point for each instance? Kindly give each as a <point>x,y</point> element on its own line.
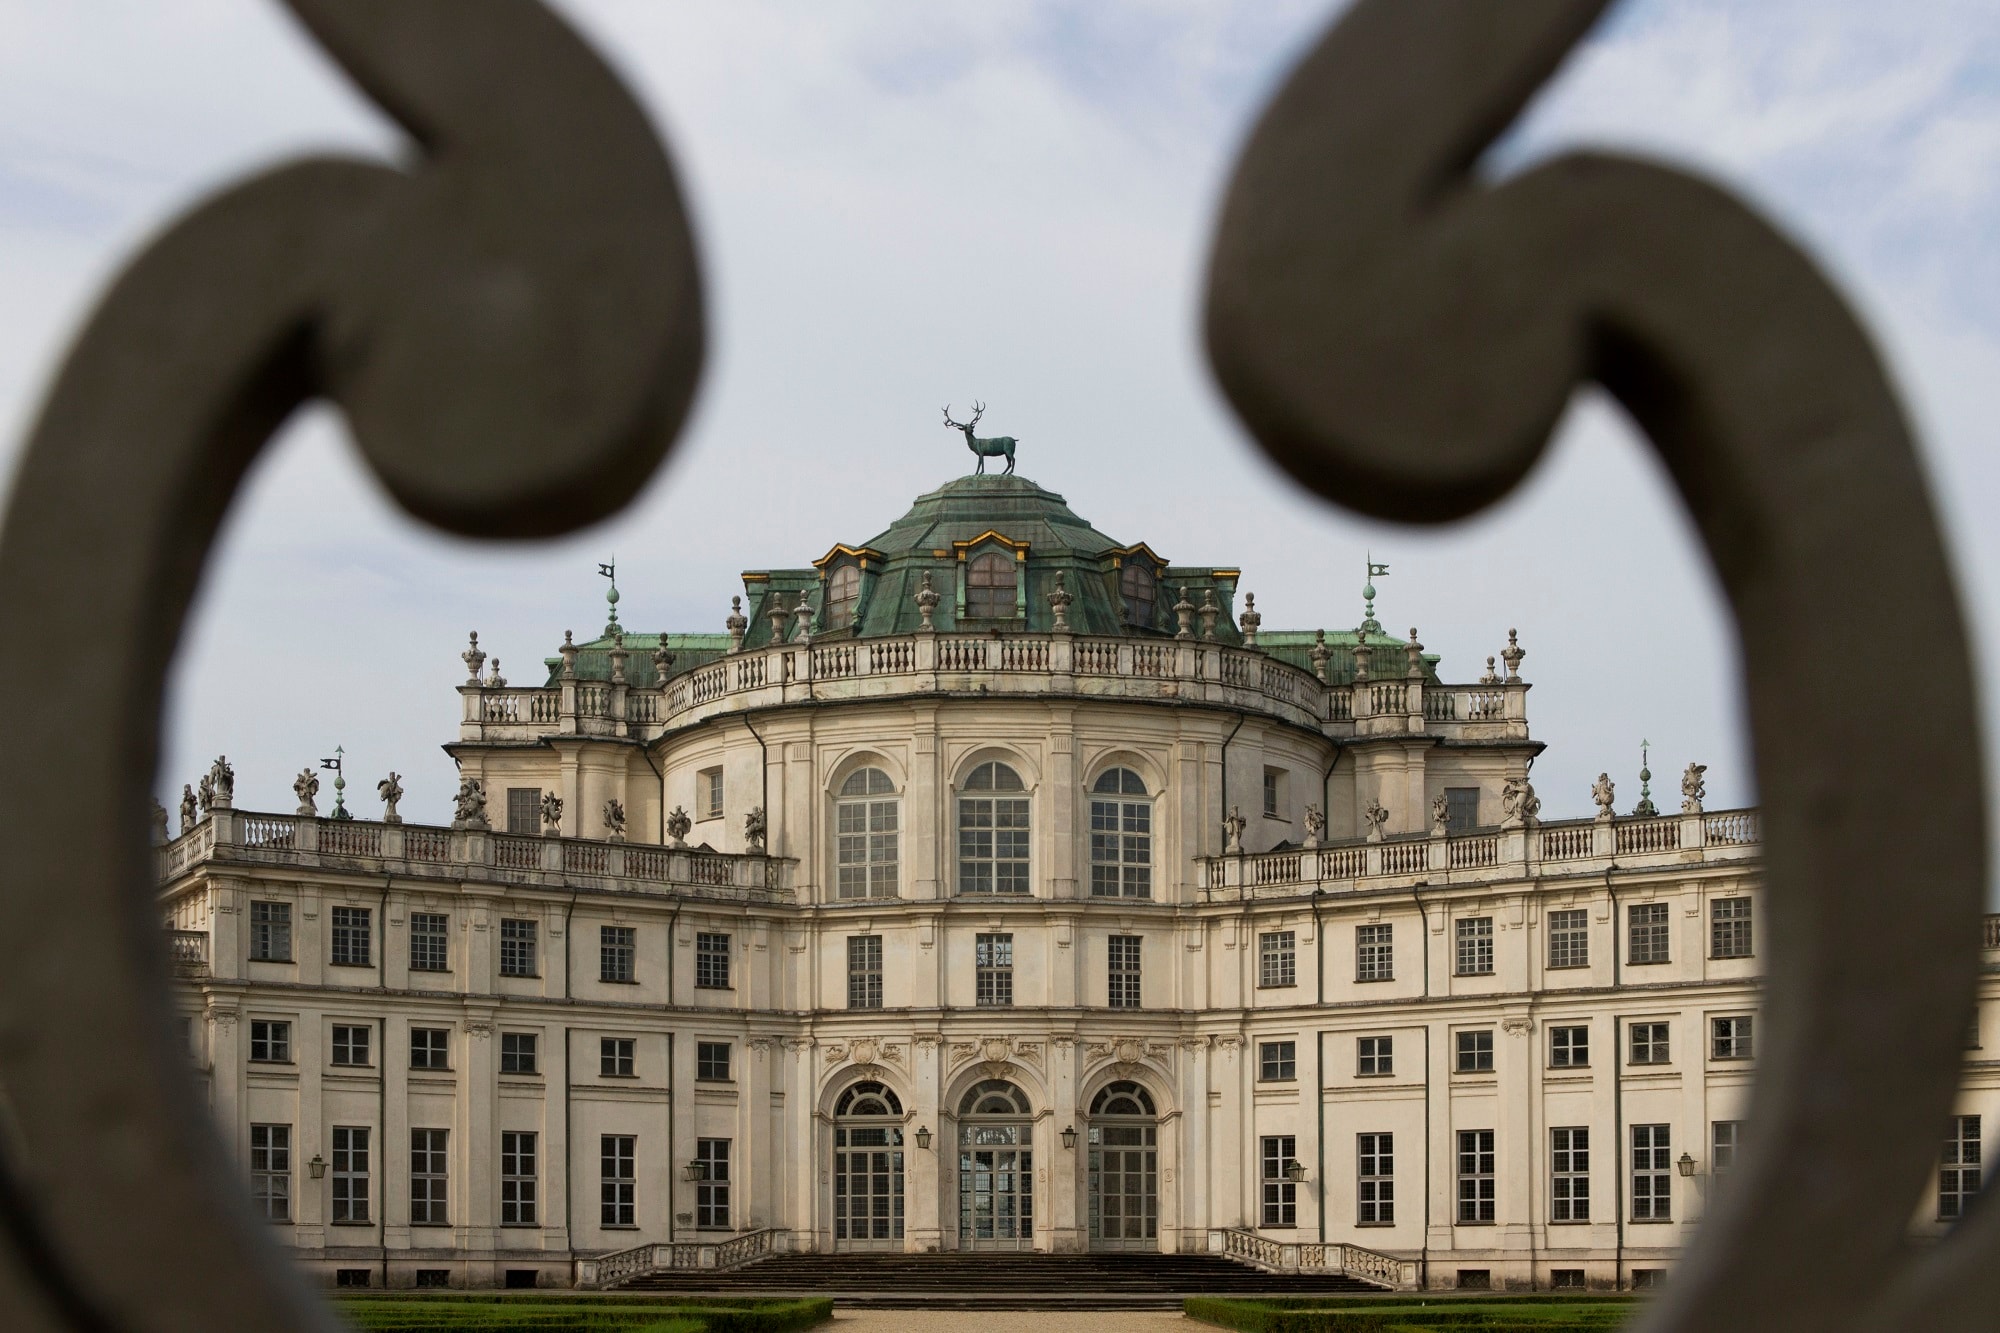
<point>993,832</point>
<point>865,835</point>
<point>996,1168</point>
<point>1135,585</point>
<point>867,1168</point>
<point>1121,836</point>
<point>843,587</point>
<point>1124,1169</point>
<point>989,587</point>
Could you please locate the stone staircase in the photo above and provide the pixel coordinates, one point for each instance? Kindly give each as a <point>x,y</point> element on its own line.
<point>1105,1281</point>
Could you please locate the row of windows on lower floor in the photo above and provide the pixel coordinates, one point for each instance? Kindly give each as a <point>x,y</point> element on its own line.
<point>353,1047</point>
<point>350,1176</point>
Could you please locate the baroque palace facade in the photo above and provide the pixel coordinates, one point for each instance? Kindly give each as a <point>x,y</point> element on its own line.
<point>988,885</point>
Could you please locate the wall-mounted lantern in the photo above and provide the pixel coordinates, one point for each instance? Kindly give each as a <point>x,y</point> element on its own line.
<point>1069,1137</point>
<point>317,1166</point>
<point>1295,1171</point>
<point>924,1137</point>
<point>1686,1164</point>
<point>695,1171</point>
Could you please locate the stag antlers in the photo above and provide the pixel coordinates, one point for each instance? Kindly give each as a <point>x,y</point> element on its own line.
<point>978,410</point>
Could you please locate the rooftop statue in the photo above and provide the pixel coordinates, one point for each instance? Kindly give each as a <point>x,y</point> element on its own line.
<point>984,449</point>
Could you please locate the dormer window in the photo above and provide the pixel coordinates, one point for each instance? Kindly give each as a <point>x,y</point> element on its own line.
<point>843,589</point>
<point>989,587</point>
<point>1135,585</point>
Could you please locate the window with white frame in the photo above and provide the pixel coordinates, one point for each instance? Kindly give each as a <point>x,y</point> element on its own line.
<point>1731,1037</point>
<point>1729,928</point>
<point>1959,1169</point>
<point>712,1060</point>
<point>352,942</point>
<point>1124,971</point>
<point>1276,1153</point>
<point>708,792</point>
<point>518,1052</point>
<point>1474,1051</point>
<point>349,1174</point>
<point>524,810</point>
<point>1569,938</point>
<point>618,1180</point>
<point>617,953</point>
<point>1647,933</point>
<point>866,817</point>
<point>1473,937</point>
<point>430,941</point>
<point>1569,1047</point>
<point>270,932</point>
<point>1277,1061</point>
<point>617,1057</point>
<point>1278,958</point>
<point>1121,836</point>
<point>990,582</point>
<point>1375,953</point>
<point>1649,1044</point>
<point>517,947</point>
<point>428,1165</point>
<point>843,590</point>
<point>350,1044</point>
<point>1652,1173</point>
<point>430,1048</point>
<point>270,1041</point>
<point>711,1191</point>
<point>1476,1191</point>
<point>993,971</point>
<point>993,831</point>
<point>1375,1180</point>
<point>1274,793</point>
<point>864,971</point>
<point>711,961</point>
<point>271,1171</point>
<point>518,1178</point>
<point>1375,1057</point>
<point>1569,1174</point>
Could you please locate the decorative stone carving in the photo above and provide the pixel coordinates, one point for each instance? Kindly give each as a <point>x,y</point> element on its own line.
<point>663,660</point>
<point>474,658</point>
<point>1512,655</point>
<point>995,1050</point>
<point>222,782</point>
<point>189,815</point>
<point>1362,655</point>
<point>552,808</point>
<point>1604,792</point>
<point>619,656</point>
<point>1233,825</point>
<point>1694,788</point>
<point>961,1051</point>
<point>204,793</point>
<point>678,825</point>
<point>1184,613</point>
<point>1319,653</point>
<point>927,602</point>
<point>865,1051</point>
<point>803,613</point>
<point>1315,826</point>
<point>1059,600</point>
<point>1373,819</point>
<point>469,806</point>
<point>1414,652</point>
<point>160,833</point>
<point>755,831</point>
<point>1519,806</point>
<point>1129,1050</point>
<point>777,615</point>
<point>1645,809</point>
<point>494,680</point>
<point>1516,1027</point>
<point>390,789</point>
<point>614,820</point>
<point>1209,613</point>
<point>893,1054</point>
<point>736,623</point>
<point>1440,815</point>
<point>568,652</point>
<point>305,786</point>
<point>478,1028</point>
<point>1249,620</point>
<point>1489,677</point>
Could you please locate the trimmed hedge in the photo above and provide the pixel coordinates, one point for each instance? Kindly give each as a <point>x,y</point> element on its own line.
<point>1562,1315</point>
<point>501,1315</point>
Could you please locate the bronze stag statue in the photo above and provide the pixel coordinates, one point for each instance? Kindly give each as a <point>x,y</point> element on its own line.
<point>984,449</point>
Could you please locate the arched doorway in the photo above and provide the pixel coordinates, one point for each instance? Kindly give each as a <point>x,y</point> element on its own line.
<point>996,1168</point>
<point>868,1169</point>
<point>1124,1169</point>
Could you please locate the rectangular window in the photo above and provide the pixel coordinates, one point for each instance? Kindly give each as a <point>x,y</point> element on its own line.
<point>708,787</point>
<point>1959,1169</point>
<point>617,953</point>
<point>1374,953</point>
<point>1474,954</point>
<point>864,971</point>
<point>1375,1179</point>
<point>1475,1051</point>
<point>430,1048</point>
<point>517,1052</point>
<point>617,1057</point>
<point>1569,938</point>
<point>1124,958</point>
<point>1277,1061</point>
<point>1569,1047</point>
<point>1725,1137</point>
<point>1649,1044</point>
<point>1731,1038</point>
<point>352,945</point>
<point>1569,1172</point>
<point>1377,1057</point>
<point>1281,1195</point>
<point>270,1041</point>
<point>517,1178</point>
<point>430,942</point>
<point>1274,792</point>
<point>711,962</point>
<point>618,1180</point>
<point>1278,958</point>
<point>865,840</point>
<point>993,844</point>
<point>711,1060</point>
<point>350,1044</point>
<point>271,1171</point>
<point>1729,928</point>
<point>271,932</point>
<point>1646,930</point>
<point>1461,809</point>
<point>524,810</point>
<point>1475,1176</point>
<point>350,1174</point>
<point>711,1191</point>
<point>517,947</point>
<point>427,1178</point>
<point>1652,1173</point>
<point>993,971</point>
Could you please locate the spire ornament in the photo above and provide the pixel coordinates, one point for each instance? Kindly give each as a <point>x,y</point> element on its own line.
<point>1362,654</point>
<point>338,766</point>
<point>1319,654</point>
<point>736,623</point>
<point>1249,620</point>
<point>777,615</point>
<point>474,658</point>
<point>663,660</point>
<point>1512,655</point>
<point>610,571</point>
<point>568,651</point>
<point>1059,600</point>
<point>618,656</point>
<point>1368,621</point>
<point>1645,809</point>
<point>1209,612</point>
<point>927,601</point>
<point>803,613</point>
<point>1184,613</point>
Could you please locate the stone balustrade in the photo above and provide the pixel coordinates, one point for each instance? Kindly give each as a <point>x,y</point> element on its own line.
<point>418,850</point>
<point>621,1266</point>
<point>1281,1256</point>
<point>997,664</point>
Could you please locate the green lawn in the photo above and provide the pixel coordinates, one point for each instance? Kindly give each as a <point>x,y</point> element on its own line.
<point>1523,1314</point>
<point>480,1313</point>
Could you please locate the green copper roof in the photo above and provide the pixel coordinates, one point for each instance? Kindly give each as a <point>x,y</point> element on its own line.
<point>968,507</point>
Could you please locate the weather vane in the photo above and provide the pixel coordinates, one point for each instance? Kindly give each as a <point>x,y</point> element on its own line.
<point>983,449</point>
<point>1368,621</point>
<point>339,766</point>
<point>610,571</point>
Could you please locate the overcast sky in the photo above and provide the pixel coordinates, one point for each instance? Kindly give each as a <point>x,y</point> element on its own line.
<point>900,205</point>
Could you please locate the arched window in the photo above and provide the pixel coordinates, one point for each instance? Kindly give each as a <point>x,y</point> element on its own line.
<point>867,1168</point>
<point>1121,836</point>
<point>1135,585</point>
<point>867,1099</point>
<point>1124,1169</point>
<point>865,834</point>
<point>1122,1098</point>
<point>989,587</point>
<point>994,1097</point>
<point>843,586</point>
<point>993,832</point>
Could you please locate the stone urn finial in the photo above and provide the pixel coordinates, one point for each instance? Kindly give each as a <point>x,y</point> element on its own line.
<point>663,660</point>
<point>1319,654</point>
<point>1059,600</point>
<point>474,658</point>
<point>494,680</point>
<point>1491,677</point>
<point>1249,621</point>
<point>1512,655</point>
<point>803,613</point>
<point>1184,613</point>
<point>1209,614</point>
<point>736,623</point>
<point>568,651</point>
<point>618,656</point>
<point>927,602</point>
<point>777,615</point>
<point>1362,654</point>
<point>1415,653</point>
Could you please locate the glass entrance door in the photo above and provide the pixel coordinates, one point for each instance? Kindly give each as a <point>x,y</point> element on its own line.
<point>868,1170</point>
<point>1124,1170</point>
<point>996,1170</point>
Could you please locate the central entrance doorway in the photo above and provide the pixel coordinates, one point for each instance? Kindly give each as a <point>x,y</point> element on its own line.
<point>868,1169</point>
<point>996,1168</point>
<point>1124,1169</point>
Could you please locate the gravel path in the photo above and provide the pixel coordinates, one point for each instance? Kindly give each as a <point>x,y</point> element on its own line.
<point>1012,1321</point>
